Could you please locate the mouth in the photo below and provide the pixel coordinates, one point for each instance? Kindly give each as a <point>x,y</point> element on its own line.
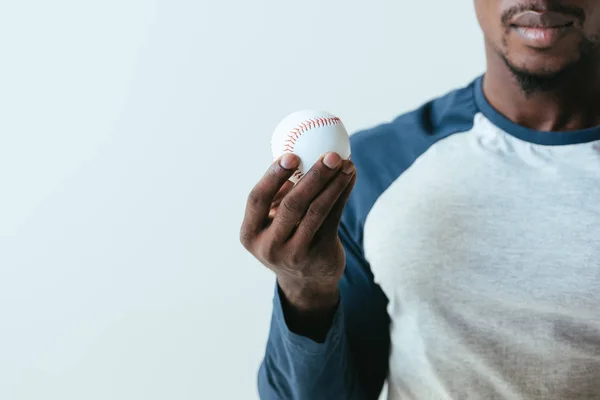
<point>542,29</point>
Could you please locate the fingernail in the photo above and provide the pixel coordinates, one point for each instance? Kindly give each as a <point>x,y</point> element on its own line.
<point>289,161</point>
<point>348,168</point>
<point>332,160</point>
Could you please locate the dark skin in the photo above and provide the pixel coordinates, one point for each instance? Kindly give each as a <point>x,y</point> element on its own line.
<point>572,103</point>
<point>293,230</point>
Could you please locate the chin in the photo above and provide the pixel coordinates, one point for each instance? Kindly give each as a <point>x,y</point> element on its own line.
<point>566,55</point>
<point>534,75</point>
<point>543,62</point>
<point>539,66</point>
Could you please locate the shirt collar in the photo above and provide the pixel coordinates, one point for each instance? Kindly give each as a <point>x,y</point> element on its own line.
<point>556,138</point>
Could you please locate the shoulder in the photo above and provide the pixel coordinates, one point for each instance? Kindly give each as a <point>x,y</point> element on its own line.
<point>382,153</point>
<point>387,149</point>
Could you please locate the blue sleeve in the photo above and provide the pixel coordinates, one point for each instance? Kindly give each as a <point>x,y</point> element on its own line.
<point>352,362</point>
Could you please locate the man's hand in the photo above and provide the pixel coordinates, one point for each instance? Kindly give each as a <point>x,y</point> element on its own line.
<point>293,230</point>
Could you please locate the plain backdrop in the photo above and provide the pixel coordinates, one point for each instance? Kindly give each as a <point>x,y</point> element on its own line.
<point>131,132</point>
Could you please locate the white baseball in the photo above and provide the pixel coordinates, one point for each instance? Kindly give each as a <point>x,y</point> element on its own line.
<point>310,134</point>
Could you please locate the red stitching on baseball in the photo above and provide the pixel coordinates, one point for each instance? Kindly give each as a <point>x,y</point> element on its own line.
<point>303,127</point>
<point>298,175</point>
<point>307,125</point>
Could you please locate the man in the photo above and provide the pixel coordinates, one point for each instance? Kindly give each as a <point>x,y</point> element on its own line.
<point>465,261</point>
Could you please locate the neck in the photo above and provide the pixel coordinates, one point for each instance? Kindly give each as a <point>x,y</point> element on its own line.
<point>573,105</point>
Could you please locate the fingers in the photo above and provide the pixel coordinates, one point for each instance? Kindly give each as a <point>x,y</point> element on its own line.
<point>329,227</point>
<point>285,189</point>
<point>262,195</point>
<point>325,204</point>
<point>296,203</point>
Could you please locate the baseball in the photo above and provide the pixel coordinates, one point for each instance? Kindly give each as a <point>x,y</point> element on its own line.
<point>310,134</point>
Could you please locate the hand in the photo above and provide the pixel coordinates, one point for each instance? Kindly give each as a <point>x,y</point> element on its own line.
<point>293,230</point>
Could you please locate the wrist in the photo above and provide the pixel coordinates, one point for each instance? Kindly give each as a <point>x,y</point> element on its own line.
<point>308,309</point>
<point>309,297</point>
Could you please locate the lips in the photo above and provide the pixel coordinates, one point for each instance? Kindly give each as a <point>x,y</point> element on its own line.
<point>547,19</point>
<point>542,30</point>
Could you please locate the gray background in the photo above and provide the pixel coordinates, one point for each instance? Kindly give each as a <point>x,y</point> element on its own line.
<point>131,132</point>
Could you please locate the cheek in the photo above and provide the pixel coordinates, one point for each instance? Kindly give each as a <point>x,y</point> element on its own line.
<point>481,11</point>
<point>489,18</point>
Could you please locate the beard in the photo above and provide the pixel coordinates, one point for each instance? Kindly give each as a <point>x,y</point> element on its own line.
<point>532,82</point>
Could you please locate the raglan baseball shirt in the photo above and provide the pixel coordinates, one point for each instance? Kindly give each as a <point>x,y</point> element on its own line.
<point>473,266</point>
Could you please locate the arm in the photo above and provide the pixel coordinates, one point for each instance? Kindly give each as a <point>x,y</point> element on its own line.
<point>329,336</point>
<point>339,353</point>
